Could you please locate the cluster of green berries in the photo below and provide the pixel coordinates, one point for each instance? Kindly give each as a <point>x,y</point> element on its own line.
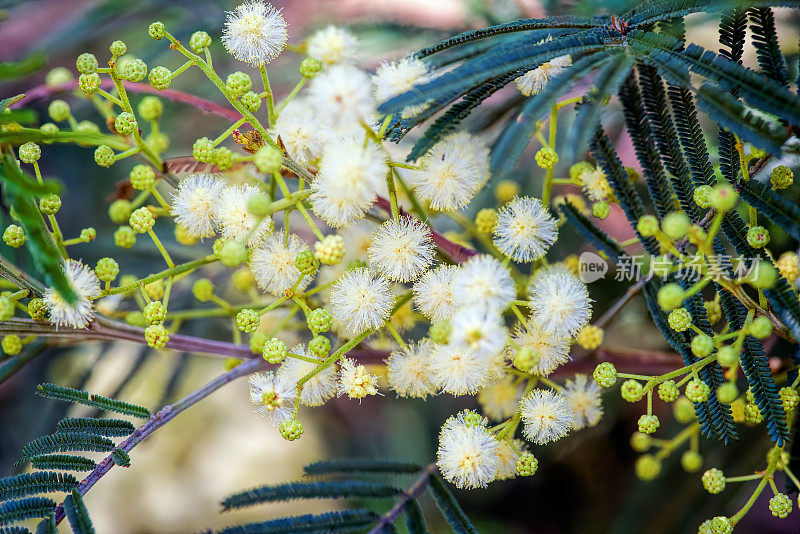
<point>713,480</point>
<point>247,320</point>
<point>104,156</point>
<point>125,123</point>
<point>331,250</point>
<point>156,336</point>
<point>679,319</point>
<point>50,204</point>
<point>526,464</point>
<point>780,505</point>
<point>14,236</point>
<point>291,429</point>
<point>648,424</point>
<point>546,158</point>
<point>605,374</point>
<point>274,351</point>
<point>319,320</point>
<point>238,83</point>
<point>632,390</point>
<point>720,525</point>
<point>154,313</point>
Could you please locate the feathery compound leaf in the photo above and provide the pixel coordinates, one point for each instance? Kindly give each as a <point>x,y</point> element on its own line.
<point>91,425</point>
<point>30,507</point>
<point>121,457</point>
<point>773,205</point>
<point>449,507</point>
<point>690,135</point>
<point>517,134</point>
<point>765,41</point>
<point>64,462</point>
<point>590,232</point>
<point>66,441</point>
<point>340,521</point>
<point>16,530</point>
<point>657,10</point>
<point>33,483</point>
<point>18,191</point>
<point>52,391</point>
<point>47,525</point>
<point>77,514</point>
<point>309,490</point>
<point>415,521</point>
<point>362,465</point>
<point>732,32</point>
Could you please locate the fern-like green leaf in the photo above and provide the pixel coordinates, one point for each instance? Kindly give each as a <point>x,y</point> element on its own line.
<point>415,521</point>
<point>77,514</point>
<point>449,507</point>
<point>590,232</point>
<point>91,425</point>
<point>16,530</point>
<point>67,441</point>
<point>773,205</point>
<point>339,521</point>
<point>33,483</point>
<point>52,391</point>
<point>64,462</point>
<point>28,508</point>
<point>658,10</point>
<point>362,465</point>
<point>47,525</point>
<point>765,41</point>
<point>121,457</point>
<point>309,490</point>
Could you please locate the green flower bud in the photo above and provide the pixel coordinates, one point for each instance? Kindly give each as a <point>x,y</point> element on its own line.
<point>702,345</point>
<point>683,409</point>
<point>89,83</point>
<point>679,319</point>
<point>150,108</point>
<point>526,358</point>
<point>238,83</point>
<point>632,390</point>
<point>274,351</point>
<point>486,220</point>
<point>14,236</point>
<point>87,127</point>
<point>154,313</point>
<point>306,263</point>
<point>203,290</point>
<point>88,234</point>
<point>268,159</point>
<point>232,254</point>
<point>789,398</point>
<point>648,424</point>
<point>104,156</point>
<point>640,442</point>
<point>675,224</point>
<point>647,467</point>
<point>29,152</point>
<point>142,220</point>
<point>728,356</point>
<point>203,150</point>
<point>291,429</point>
<point>691,461</point>
<point>440,332</point>
<point>757,237</point>
<point>259,205</point>
<point>125,123</point>
<point>243,280</point>
<point>319,346</point>
<point>601,209</point>
<point>124,237</point>
<point>722,198</point>
<point>6,308</point>
<point>223,158</point>
<point>257,341</point>
<point>647,225</point>
<point>713,310</point>
<point>247,320</point>
<point>156,30</point>
<point>199,41</point>
<point>58,110</point>
<point>120,210</point>
<point>86,63</point>
<point>310,67</point>
<point>135,318</point>
<point>713,481</point>
<point>11,345</point>
<point>156,336</point>
<point>58,77</point>
<point>319,320</point>
<point>762,276</point>
<point>526,464</point>
<point>668,391</point>
<point>721,525</point>
<point>160,78</point>
<point>158,141</point>
<point>781,177</point>
<point>37,309</point>
<point>577,170</point>
<point>142,177</point>
<point>780,505</point>
<point>697,391</point>
<point>701,196</point>
<point>546,158</point>
<point>107,269</point>
<point>134,70</point>
<point>251,101</point>
<point>605,374</point>
<point>670,297</point>
<point>727,392</point>
<point>118,48</point>
<point>761,327</point>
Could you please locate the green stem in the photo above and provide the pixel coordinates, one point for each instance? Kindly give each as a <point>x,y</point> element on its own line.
<point>270,97</point>
<point>290,96</point>
<point>172,271</point>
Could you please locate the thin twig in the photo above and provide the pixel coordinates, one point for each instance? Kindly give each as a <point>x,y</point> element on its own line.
<point>618,305</point>
<point>413,492</point>
<point>164,416</point>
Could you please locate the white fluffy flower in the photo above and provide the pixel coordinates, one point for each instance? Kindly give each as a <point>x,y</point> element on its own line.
<point>299,132</point>
<point>480,329</point>
<point>274,396</point>
<point>452,171</point>
<point>235,221</point>
<point>332,45</point>
<point>560,304</point>
<point>193,204</point>
<point>342,96</point>
<point>536,79</point>
<point>434,295</point>
<point>318,388</point>
<point>355,381</point>
<point>595,184</point>
<point>401,249</point>
<point>397,77</point>
<point>273,264</point>
<point>551,349</point>
<point>349,176</point>
<point>86,286</point>
<point>524,229</point>
<point>499,399</point>
<point>483,280</point>
<point>468,455</point>
<point>409,370</point>
<point>255,32</point>
<point>547,416</point>
<point>585,399</point>
<point>360,301</point>
<point>459,370</point>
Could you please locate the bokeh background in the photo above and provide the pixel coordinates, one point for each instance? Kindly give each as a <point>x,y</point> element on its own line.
<point>585,483</point>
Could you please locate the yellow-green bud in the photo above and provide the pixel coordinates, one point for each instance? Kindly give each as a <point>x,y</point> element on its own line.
<point>259,205</point>
<point>104,156</point>
<point>14,236</point>
<point>675,224</point>
<point>647,467</point>
<point>118,48</point>
<point>268,159</point>
<point>757,237</point>
<point>120,210</point>
<point>86,63</point>
<point>58,77</point>
<point>156,30</point>
<point>440,332</point>
<point>125,123</point>
<point>722,198</point>
<point>486,220</point>
<point>291,429</point>
<point>50,204</point>
<point>605,374</point>
<point>11,345</point>
<point>160,77</point>
<point>199,41</point>
<point>203,290</point>
<point>238,83</point>
<point>647,225</point>
<point>701,196</point>
<point>154,313</point>
<point>781,177</point>
<point>251,101</point>
<point>330,250</point>
<point>134,70</point>
<point>89,83</point>
<point>319,320</point>
<point>546,158</point>
<point>601,209</point>
<point>107,269</point>
<point>150,108</point>
<point>156,336</point>
<point>670,297</point>
<point>309,67</point>
<point>142,177</point>
<point>274,351</point>
<point>319,346</point>
<point>306,263</point>
<point>124,237</point>
<point>142,220</point>
<point>37,309</point>
<point>58,110</point>
<point>232,254</point>
<point>668,391</point>
<point>203,150</point>
<point>691,461</point>
<point>29,152</point>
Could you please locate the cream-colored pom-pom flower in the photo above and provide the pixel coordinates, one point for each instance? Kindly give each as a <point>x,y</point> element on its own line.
<point>273,264</point>
<point>499,399</point>
<point>255,33</point>
<point>468,454</point>
<point>584,396</point>
<point>193,204</point>
<point>299,131</point>
<point>274,396</point>
<point>547,416</point>
<point>459,370</point>
<point>342,97</point>
<point>434,294</point>
<point>401,249</point>
<point>332,45</point>
<point>319,388</point>
<point>235,220</point>
<point>560,304</point>
<point>355,381</point>
<point>524,229</point>
<point>551,350</point>
<point>536,79</point>
<point>409,370</point>
<point>483,280</point>
<point>360,301</point>
<point>86,286</point>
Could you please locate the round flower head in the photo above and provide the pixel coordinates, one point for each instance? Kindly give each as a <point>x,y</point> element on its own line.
<point>560,304</point>
<point>392,79</point>
<point>480,329</point>
<point>319,388</point>
<point>193,204</point>
<point>459,370</point>
<point>273,264</point>
<point>547,416</point>
<point>345,186</point>
<point>274,395</point>
<point>355,381</point>
<point>553,268</point>
<point>255,33</point>
<point>508,458</point>
<point>551,349</point>
<point>409,370</point>
<point>584,398</point>
<point>235,221</point>
<point>434,295</point>
<point>483,280</point>
<point>401,249</point>
<point>499,399</point>
<point>595,184</point>
<point>332,45</point>
<point>299,132</point>
<point>360,301</point>
<point>86,286</point>
<point>452,171</point>
<point>536,79</point>
<point>468,455</point>
<point>524,229</point>
<point>341,97</point>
